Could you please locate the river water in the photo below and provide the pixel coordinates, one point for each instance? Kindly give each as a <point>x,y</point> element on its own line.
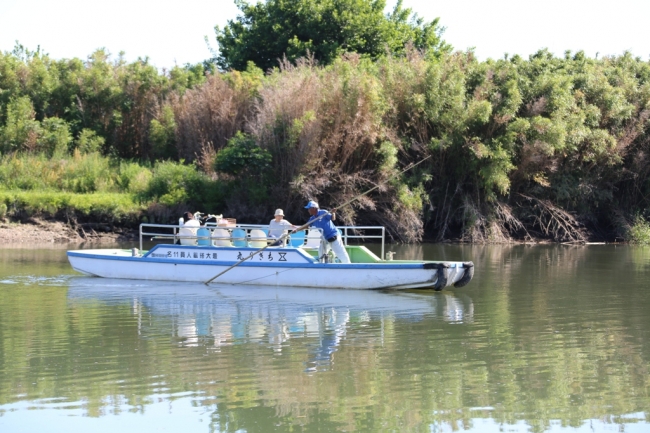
<point>544,339</point>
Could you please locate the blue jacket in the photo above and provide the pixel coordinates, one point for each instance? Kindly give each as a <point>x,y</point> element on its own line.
<point>325,224</point>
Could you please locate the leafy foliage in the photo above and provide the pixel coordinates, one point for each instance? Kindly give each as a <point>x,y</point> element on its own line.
<point>20,129</point>
<point>640,231</point>
<point>553,147</point>
<point>162,134</point>
<point>266,32</point>
<point>88,141</point>
<point>173,183</point>
<point>47,105</point>
<point>242,156</point>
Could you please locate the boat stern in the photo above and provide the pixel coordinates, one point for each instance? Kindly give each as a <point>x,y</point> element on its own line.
<point>456,274</point>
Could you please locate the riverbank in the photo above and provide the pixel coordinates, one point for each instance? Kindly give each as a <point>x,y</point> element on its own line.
<point>37,230</point>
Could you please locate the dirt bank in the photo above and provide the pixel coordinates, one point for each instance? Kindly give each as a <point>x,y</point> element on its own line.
<point>46,231</point>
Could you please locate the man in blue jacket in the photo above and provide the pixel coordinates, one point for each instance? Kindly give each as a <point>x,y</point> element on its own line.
<point>322,219</point>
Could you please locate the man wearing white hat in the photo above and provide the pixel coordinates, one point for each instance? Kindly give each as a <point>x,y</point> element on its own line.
<point>278,225</point>
<point>323,220</point>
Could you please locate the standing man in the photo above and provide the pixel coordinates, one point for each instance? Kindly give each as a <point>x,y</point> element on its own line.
<point>323,220</point>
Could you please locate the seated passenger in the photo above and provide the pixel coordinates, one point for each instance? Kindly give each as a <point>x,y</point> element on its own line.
<point>278,226</point>
<point>190,221</point>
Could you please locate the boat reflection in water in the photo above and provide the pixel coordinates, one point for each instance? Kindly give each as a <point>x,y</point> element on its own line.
<point>218,316</point>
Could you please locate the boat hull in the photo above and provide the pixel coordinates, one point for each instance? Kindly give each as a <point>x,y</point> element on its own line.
<point>280,267</point>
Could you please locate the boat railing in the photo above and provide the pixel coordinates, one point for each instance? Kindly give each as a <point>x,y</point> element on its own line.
<point>364,233</point>
<point>240,235</point>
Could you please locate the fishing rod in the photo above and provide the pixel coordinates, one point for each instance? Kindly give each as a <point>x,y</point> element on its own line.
<point>357,197</point>
<point>303,227</point>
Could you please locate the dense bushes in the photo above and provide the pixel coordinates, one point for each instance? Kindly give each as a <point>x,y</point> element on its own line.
<point>545,147</point>
<point>58,105</point>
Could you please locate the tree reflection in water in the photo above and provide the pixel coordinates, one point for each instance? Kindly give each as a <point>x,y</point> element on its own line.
<point>544,338</point>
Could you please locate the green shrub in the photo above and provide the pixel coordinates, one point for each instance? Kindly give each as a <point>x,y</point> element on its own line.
<point>86,173</point>
<point>133,178</point>
<point>88,141</point>
<point>175,183</point>
<point>242,155</point>
<point>20,130</point>
<point>28,171</point>
<point>639,232</point>
<point>162,134</point>
<point>55,137</point>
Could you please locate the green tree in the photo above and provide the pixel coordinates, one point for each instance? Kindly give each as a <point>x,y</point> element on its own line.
<point>88,141</point>
<point>161,134</point>
<point>242,156</point>
<point>265,32</point>
<point>55,138</point>
<point>21,130</point>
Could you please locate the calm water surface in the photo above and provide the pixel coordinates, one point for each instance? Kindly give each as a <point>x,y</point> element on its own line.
<point>544,339</point>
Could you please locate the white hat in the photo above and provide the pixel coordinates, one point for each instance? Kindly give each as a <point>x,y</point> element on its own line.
<point>279,212</point>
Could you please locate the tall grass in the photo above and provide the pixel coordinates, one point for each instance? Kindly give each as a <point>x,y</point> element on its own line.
<point>213,112</point>
<point>81,173</point>
<point>101,207</point>
<point>93,187</point>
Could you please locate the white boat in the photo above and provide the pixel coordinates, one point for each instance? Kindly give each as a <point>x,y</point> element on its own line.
<point>241,254</point>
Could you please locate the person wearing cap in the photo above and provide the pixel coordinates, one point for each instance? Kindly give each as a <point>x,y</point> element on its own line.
<point>322,219</point>
<point>279,226</point>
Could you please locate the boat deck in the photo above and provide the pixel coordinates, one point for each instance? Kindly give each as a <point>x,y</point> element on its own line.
<point>246,255</point>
